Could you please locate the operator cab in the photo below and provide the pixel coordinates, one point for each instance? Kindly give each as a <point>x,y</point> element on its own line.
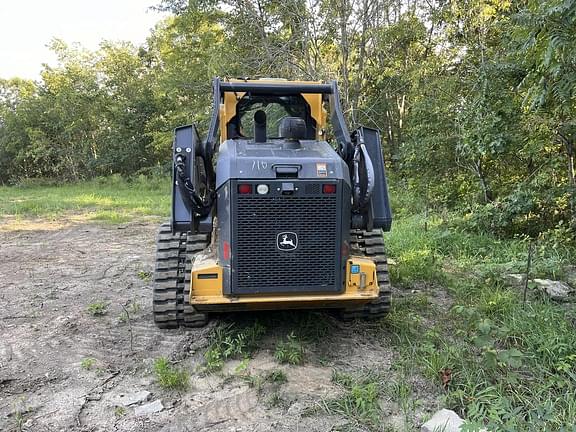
<point>260,117</point>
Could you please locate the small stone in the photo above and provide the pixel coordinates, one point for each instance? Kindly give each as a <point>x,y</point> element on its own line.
<point>444,420</point>
<point>515,280</point>
<point>149,408</point>
<point>556,290</point>
<point>133,398</point>
<point>296,409</point>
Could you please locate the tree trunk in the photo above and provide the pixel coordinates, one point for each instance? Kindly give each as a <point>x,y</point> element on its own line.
<point>569,144</point>
<point>345,51</point>
<point>484,186</point>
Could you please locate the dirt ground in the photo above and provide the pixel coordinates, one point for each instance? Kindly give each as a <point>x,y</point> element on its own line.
<point>49,275</point>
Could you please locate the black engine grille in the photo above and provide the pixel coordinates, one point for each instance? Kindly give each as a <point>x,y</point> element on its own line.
<point>259,266</point>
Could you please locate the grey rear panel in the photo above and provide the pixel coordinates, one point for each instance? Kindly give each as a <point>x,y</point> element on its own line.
<point>244,159</point>
<point>307,222</point>
<point>261,260</point>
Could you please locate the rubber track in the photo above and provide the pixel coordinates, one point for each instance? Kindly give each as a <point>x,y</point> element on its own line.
<point>171,279</point>
<point>371,245</point>
<point>191,318</point>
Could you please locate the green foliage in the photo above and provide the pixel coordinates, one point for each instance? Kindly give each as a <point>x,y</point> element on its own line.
<point>360,399</point>
<point>277,376</point>
<point>503,364</point>
<point>87,363</point>
<point>413,252</point>
<point>97,308</point>
<point>170,377</point>
<point>290,350</point>
<point>119,411</point>
<point>145,275</point>
<point>230,341</point>
<point>475,100</point>
<point>100,199</point>
<point>275,400</point>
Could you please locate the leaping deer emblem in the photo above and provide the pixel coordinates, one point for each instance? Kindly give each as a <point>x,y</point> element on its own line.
<point>287,241</point>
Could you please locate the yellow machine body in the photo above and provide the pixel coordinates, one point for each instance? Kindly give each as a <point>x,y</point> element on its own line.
<point>206,291</point>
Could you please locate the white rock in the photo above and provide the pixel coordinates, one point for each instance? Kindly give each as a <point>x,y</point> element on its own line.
<point>556,290</point>
<point>443,421</point>
<point>149,408</point>
<point>133,398</point>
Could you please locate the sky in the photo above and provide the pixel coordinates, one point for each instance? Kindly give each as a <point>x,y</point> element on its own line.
<point>27,26</point>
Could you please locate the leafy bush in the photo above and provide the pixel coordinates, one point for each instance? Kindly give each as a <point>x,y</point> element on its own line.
<point>525,212</point>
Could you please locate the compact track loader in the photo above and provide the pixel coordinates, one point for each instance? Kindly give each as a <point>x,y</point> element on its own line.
<point>280,207</point>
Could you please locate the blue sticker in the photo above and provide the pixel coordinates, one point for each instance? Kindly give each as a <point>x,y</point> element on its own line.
<point>355,269</point>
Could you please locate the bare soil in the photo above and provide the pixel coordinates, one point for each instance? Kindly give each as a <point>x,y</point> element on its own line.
<point>48,278</point>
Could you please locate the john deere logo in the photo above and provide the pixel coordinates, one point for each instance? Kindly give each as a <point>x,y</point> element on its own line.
<point>287,241</point>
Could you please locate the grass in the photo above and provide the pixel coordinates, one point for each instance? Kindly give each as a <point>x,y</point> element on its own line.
<point>360,400</point>
<point>290,351</point>
<point>109,200</point>
<point>500,363</point>
<point>170,377</point>
<point>275,400</point>
<point>274,377</point>
<point>232,341</point>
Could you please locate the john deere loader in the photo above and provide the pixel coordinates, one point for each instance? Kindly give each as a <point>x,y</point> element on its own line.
<point>280,207</point>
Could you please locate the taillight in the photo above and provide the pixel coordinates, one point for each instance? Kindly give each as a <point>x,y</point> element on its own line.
<point>329,188</point>
<point>245,188</point>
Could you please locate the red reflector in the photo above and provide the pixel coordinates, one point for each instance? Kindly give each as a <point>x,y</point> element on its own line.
<point>245,188</point>
<point>226,250</point>
<point>329,188</point>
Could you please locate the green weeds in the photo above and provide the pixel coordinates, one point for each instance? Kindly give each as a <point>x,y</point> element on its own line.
<point>232,341</point>
<point>359,402</point>
<point>277,376</point>
<point>170,377</point>
<point>97,308</point>
<point>146,276</point>
<point>87,363</point>
<point>119,411</point>
<point>290,351</point>
<point>503,364</point>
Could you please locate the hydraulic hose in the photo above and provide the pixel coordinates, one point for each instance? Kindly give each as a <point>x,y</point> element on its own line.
<point>195,203</point>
